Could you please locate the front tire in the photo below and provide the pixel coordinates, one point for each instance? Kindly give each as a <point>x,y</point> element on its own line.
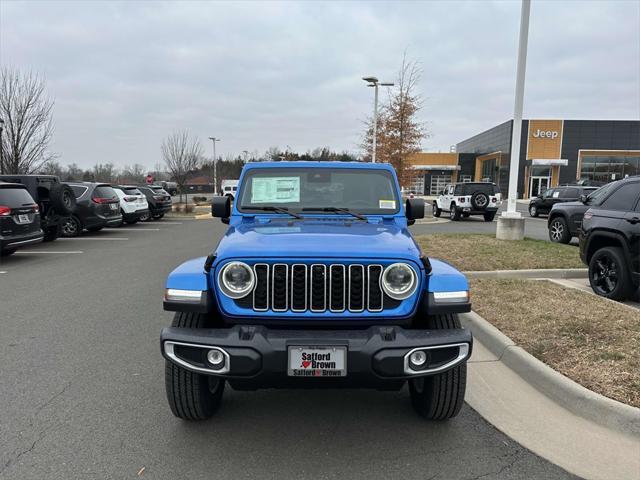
<point>440,396</point>
<point>192,396</point>
<point>609,275</point>
<point>145,217</point>
<point>559,231</point>
<point>51,233</point>
<point>533,211</point>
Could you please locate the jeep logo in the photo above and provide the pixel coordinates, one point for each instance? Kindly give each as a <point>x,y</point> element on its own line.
<point>545,134</point>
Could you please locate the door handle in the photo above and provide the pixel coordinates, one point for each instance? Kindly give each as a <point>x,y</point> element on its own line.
<point>633,220</point>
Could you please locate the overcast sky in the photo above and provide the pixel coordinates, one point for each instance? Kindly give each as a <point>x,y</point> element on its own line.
<point>261,74</point>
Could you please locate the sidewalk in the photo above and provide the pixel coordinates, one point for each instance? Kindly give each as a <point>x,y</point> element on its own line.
<point>539,422</point>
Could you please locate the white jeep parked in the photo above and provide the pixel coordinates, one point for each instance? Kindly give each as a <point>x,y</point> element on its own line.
<point>465,199</point>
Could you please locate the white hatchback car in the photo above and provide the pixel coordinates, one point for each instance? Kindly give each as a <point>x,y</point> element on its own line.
<point>133,203</point>
<point>471,198</point>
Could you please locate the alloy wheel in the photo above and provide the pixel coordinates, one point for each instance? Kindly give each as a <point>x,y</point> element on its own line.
<point>70,228</point>
<point>533,211</point>
<point>557,230</point>
<point>604,276</point>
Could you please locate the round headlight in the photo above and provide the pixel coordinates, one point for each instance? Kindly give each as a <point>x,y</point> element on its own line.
<point>399,281</point>
<point>236,279</point>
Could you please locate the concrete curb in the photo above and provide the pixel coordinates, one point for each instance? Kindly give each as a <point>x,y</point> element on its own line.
<point>535,273</point>
<point>570,395</point>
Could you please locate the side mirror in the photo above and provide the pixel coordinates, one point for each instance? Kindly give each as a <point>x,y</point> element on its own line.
<point>221,208</point>
<point>583,198</point>
<point>414,209</point>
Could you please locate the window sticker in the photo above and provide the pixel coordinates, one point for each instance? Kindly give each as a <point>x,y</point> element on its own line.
<point>556,194</point>
<point>275,190</point>
<point>387,204</point>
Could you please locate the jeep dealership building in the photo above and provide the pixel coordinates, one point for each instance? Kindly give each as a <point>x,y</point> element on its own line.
<point>552,153</point>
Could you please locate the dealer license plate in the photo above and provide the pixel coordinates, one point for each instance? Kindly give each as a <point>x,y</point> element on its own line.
<point>317,361</point>
<point>23,219</point>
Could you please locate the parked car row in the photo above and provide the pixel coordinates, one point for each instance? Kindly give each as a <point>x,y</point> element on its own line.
<point>36,208</point>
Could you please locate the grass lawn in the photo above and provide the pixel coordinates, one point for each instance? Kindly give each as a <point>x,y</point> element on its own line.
<point>475,252</point>
<point>587,338</point>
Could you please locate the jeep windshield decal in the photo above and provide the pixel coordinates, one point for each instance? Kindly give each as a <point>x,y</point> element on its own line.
<point>353,192</point>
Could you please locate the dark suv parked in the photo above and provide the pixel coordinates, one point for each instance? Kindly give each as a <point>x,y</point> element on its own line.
<point>159,200</point>
<point>565,219</point>
<point>55,200</point>
<point>97,206</point>
<point>19,218</point>
<point>542,204</point>
<point>610,240</point>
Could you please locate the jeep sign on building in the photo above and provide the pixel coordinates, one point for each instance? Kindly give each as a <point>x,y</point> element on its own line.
<point>552,152</point>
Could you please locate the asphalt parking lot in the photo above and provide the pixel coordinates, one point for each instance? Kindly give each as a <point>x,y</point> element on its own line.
<point>533,228</point>
<point>82,386</point>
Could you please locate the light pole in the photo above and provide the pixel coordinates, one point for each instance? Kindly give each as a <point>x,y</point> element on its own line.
<point>1,161</point>
<point>215,176</point>
<point>511,223</point>
<point>373,82</point>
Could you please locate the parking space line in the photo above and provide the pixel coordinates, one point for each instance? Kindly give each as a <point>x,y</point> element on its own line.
<point>171,223</point>
<point>95,238</point>
<point>22,252</point>
<point>138,229</point>
<point>3,271</point>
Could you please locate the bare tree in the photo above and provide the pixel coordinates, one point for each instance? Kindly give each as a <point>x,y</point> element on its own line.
<point>400,133</point>
<point>27,113</point>
<point>134,173</point>
<point>104,172</point>
<point>181,154</point>
<point>73,172</point>
<point>52,168</point>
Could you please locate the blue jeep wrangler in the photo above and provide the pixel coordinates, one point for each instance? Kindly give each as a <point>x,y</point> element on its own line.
<point>317,283</point>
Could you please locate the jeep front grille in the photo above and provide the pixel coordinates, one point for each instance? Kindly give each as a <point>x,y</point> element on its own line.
<point>318,287</point>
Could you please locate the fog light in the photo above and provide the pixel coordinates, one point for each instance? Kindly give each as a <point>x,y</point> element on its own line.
<point>215,358</point>
<point>418,358</point>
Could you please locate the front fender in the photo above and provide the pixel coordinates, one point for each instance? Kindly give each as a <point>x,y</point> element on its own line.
<point>189,277</point>
<point>445,279</point>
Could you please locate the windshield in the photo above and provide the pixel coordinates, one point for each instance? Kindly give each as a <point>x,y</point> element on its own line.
<point>359,190</point>
<point>596,197</point>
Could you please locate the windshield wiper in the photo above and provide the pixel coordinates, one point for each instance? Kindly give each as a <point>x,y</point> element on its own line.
<point>336,210</point>
<point>270,208</point>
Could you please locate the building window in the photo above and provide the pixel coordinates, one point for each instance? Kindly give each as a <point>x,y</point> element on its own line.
<point>488,169</point>
<point>607,168</point>
<point>417,185</point>
<point>438,182</point>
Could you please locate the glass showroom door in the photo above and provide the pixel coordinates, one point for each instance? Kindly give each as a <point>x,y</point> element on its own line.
<point>538,185</point>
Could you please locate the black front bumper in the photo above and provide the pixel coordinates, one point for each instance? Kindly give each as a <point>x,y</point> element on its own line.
<point>257,357</point>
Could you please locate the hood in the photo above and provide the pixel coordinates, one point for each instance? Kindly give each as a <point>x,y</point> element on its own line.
<point>318,239</point>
